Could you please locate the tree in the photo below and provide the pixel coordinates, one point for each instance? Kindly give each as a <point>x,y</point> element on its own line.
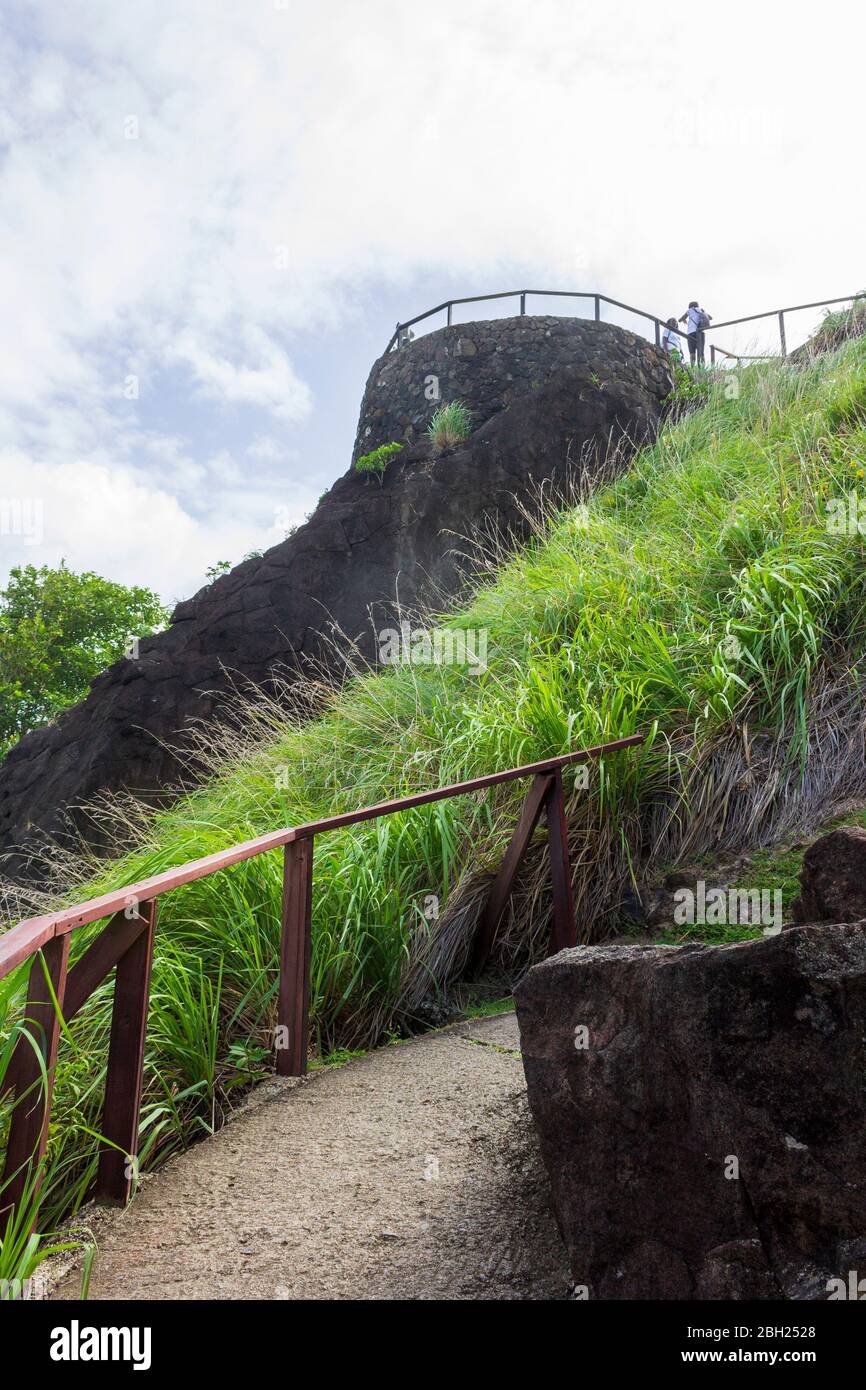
<point>57,631</point>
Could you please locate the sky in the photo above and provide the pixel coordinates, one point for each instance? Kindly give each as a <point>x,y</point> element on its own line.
<point>212,215</point>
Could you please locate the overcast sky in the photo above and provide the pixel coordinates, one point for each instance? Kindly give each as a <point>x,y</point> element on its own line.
<point>212,213</point>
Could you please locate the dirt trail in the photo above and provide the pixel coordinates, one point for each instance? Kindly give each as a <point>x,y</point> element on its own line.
<point>409,1173</point>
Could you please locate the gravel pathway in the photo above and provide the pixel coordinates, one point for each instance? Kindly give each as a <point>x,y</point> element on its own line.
<point>411,1172</point>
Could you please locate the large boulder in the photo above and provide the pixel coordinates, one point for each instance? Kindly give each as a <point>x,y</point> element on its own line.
<point>702,1113</point>
<point>833,878</point>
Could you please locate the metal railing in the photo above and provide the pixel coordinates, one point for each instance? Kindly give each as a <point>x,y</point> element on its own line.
<point>57,993</point>
<point>397,337</point>
<point>779,315</point>
<point>401,334</point>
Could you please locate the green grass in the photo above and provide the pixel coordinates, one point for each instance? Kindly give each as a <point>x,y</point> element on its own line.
<point>781,869</point>
<point>338,1058</point>
<point>450,425</point>
<point>771,869</point>
<point>838,325</point>
<point>23,1249</point>
<point>700,597</point>
<point>708,934</point>
<point>490,1008</point>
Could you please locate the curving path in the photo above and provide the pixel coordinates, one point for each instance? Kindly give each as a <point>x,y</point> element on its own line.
<point>411,1172</point>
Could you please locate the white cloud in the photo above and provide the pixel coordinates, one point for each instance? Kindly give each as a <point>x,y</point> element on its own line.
<point>123,524</point>
<point>267,448</point>
<point>287,161</point>
<point>266,378</point>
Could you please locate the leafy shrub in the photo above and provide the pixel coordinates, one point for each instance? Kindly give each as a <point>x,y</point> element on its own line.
<point>378,459</point>
<point>58,630</point>
<point>450,425</point>
<point>690,384</point>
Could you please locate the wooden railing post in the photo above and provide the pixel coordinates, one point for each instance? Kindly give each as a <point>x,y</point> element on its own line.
<point>564,926</point>
<point>118,1157</point>
<point>533,805</point>
<point>293,1006</point>
<point>28,1130</point>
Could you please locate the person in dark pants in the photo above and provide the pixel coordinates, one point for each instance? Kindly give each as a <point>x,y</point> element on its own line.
<point>697,321</point>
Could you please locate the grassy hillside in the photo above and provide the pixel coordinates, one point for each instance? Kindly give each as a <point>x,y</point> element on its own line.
<point>701,597</point>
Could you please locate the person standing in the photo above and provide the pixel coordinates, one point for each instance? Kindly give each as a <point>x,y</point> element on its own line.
<point>697,321</point>
<point>671,340</point>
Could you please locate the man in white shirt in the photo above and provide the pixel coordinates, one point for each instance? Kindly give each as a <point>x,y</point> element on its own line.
<point>697,320</point>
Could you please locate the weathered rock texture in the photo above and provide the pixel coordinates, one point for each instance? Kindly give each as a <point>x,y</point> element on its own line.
<point>833,878</point>
<point>697,1059</point>
<point>490,365</point>
<point>367,544</point>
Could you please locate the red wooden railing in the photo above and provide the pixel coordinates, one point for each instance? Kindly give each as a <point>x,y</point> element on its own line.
<point>126,943</point>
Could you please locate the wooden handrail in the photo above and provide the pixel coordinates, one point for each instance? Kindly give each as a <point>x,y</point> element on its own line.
<point>32,933</point>
<point>126,943</point>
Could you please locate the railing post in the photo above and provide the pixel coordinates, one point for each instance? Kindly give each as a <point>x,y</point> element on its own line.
<point>658,333</point>
<point>449,314</point>
<point>597,308</point>
<point>293,1005</point>
<point>118,1156</point>
<point>782,334</point>
<point>533,805</point>
<point>712,354</point>
<point>564,926</point>
<point>523,304</point>
<point>28,1131</point>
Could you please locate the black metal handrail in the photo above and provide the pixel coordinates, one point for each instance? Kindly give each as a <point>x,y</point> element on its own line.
<point>397,338</point>
<point>598,299</point>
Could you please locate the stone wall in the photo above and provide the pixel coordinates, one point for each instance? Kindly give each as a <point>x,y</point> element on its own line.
<point>490,365</point>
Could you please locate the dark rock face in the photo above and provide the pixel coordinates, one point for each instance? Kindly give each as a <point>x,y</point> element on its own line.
<point>366,544</point>
<point>833,878</point>
<point>490,365</point>
<point>706,1135</point>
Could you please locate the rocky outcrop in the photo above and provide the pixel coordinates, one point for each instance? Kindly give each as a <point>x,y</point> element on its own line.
<point>702,1113</point>
<point>490,366</point>
<point>368,544</point>
<point>833,878</point>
